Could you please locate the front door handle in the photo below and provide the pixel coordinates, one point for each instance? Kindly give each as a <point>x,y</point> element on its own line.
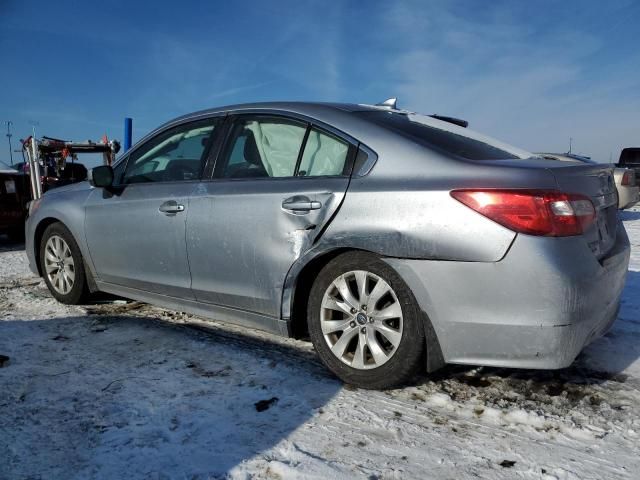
<point>300,204</point>
<point>171,207</point>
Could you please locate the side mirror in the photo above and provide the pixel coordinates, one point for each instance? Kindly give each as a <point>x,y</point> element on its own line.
<point>101,176</point>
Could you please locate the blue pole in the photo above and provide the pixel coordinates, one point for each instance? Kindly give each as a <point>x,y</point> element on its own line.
<point>128,129</point>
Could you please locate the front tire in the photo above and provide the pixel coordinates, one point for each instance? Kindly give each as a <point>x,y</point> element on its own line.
<point>365,323</point>
<point>62,265</point>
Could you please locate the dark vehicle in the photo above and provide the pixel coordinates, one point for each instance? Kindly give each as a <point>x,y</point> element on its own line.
<point>630,158</point>
<point>14,195</point>
<point>15,191</point>
<point>53,176</point>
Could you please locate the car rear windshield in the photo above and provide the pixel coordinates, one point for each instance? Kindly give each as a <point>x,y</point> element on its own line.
<point>443,140</point>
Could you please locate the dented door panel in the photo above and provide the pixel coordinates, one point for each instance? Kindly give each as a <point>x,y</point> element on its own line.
<point>243,236</point>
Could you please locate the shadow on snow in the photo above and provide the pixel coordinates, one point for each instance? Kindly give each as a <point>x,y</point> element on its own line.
<point>125,395</point>
<point>8,245</point>
<point>134,396</point>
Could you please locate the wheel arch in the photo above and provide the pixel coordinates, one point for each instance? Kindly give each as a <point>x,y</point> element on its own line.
<point>37,241</point>
<point>37,238</point>
<point>296,297</point>
<point>298,286</point>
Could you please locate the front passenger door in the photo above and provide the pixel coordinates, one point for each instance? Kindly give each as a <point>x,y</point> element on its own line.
<point>136,231</point>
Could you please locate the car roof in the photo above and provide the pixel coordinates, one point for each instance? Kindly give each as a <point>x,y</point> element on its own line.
<point>294,105</point>
<point>327,112</point>
<point>342,117</point>
<point>303,108</point>
<point>323,111</point>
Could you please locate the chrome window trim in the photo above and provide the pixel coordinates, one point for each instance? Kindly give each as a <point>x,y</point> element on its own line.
<point>372,155</point>
<point>125,157</point>
<point>372,158</point>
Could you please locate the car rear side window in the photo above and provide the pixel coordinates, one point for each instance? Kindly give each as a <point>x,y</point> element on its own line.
<point>443,140</point>
<point>324,155</point>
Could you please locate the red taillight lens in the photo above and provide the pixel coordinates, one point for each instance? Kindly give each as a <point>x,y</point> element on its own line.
<point>629,178</point>
<point>534,212</point>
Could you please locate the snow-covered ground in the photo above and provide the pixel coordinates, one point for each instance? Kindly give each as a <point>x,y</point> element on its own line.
<point>124,390</point>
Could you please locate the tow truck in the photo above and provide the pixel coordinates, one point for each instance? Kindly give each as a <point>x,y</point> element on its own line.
<point>48,163</point>
<point>51,162</point>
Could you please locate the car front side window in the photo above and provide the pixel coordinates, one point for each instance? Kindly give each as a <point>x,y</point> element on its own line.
<point>178,154</point>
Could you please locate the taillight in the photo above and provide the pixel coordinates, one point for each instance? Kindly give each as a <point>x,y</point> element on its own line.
<point>629,178</point>
<point>534,212</point>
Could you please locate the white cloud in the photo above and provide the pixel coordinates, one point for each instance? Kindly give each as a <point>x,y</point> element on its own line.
<point>531,88</point>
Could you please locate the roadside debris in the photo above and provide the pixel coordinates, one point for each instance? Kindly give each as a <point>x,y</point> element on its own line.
<point>113,308</point>
<point>4,361</point>
<point>118,380</point>
<point>263,405</point>
<point>20,283</point>
<point>98,327</point>
<point>198,370</point>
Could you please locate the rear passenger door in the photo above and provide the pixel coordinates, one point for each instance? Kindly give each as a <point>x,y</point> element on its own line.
<point>276,183</point>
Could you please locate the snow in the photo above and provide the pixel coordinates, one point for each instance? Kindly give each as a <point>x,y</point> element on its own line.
<point>125,390</point>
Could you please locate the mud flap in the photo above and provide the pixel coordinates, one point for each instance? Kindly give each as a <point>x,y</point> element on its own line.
<point>434,359</point>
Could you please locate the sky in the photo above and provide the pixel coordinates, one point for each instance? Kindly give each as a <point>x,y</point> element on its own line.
<point>531,73</point>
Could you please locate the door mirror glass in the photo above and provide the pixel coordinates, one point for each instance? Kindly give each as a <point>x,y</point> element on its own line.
<point>101,176</point>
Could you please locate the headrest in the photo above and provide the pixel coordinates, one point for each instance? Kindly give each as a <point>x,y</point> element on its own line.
<point>251,152</point>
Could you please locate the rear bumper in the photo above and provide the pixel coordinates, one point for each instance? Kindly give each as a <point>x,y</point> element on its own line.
<point>537,308</point>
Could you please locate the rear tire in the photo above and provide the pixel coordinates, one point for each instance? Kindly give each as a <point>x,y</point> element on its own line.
<point>62,265</point>
<point>360,299</point>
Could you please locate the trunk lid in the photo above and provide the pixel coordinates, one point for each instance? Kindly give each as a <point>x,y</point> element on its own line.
<point>595,181</point>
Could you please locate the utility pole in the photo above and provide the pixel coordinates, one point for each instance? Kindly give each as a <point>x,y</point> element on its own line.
<point>9,135</point>
<point>570,142</point>
<point>128,128</point>
<point>34,165</point>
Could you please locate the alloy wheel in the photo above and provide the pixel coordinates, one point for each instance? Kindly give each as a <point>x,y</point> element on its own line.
<point>361,319</point>
<point>59,265</point>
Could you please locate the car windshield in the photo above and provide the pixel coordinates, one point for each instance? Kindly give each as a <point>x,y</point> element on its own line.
<point>450,139</point>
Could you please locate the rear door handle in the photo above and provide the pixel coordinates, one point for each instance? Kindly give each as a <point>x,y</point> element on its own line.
<point>171,207</point>
<point>301,204</point>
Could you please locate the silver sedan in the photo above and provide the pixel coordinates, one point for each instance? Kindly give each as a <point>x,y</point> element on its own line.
<point>394,241</point>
